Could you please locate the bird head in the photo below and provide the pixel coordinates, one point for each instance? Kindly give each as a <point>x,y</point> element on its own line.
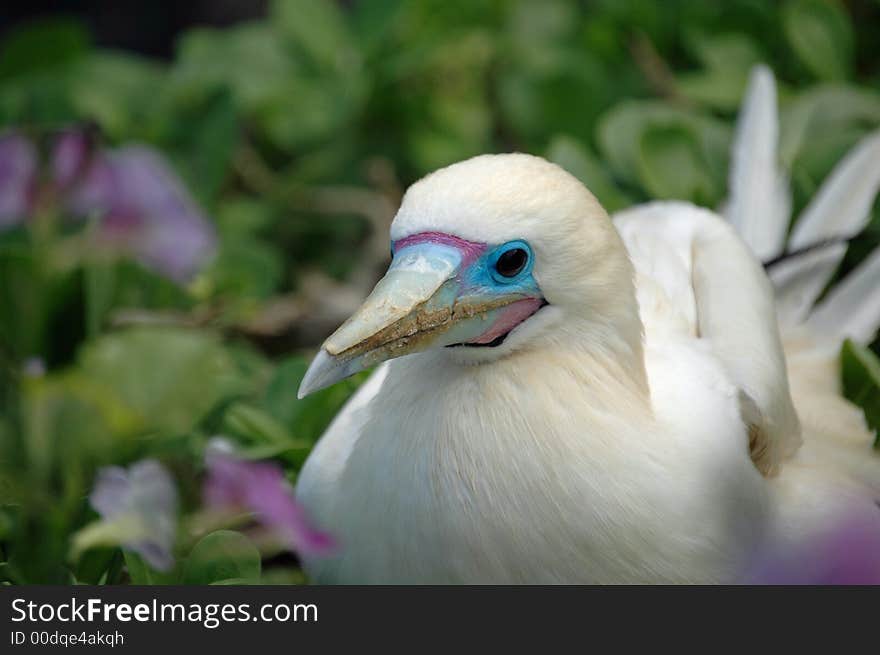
<point>490,255</point>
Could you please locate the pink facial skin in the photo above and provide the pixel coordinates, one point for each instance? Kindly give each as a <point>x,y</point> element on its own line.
<point>511,316</point>
<point>470,250</point>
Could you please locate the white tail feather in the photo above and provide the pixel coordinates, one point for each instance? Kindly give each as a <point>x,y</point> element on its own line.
<point>800,280</point>
<point>852,309</point>
<point>842,206</point>
<point>760,202</point>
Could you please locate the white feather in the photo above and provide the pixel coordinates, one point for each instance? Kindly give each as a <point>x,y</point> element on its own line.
<point>732,303</point>
<point>852,308</point>
<point>800,280</point>
<point>842,205</point>
<point>841,208</point>
<point>759,203</point>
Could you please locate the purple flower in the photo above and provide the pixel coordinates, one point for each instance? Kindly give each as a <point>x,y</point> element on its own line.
<point>260,487</point>
<point>145,211</point>
<point>71,152</point>
<point>141,206</point>
<point>18,178</point>
<point>846,554</point>
<point>141,504</point>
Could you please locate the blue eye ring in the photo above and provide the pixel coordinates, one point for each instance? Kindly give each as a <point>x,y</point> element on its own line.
<point>511,262</point>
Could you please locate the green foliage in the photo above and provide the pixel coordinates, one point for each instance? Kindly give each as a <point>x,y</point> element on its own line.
<point>726,60</point>
<point>43,46</point>
<point>309,416</point>
<point>222,557</point>
<point>115,90</point>
<point>821,35</point>
<point>666,151</point>
<point>168,378</point>
<point>297,133</point>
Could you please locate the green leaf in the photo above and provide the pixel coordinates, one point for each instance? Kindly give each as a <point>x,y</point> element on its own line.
<point>170,377</point>
<point>727,60</point>
<point>307,111</point>
<point>288,103</point>
<point>309,417</point>
<point>281,397</point>
<point>137,286</point>
<point>118,91</point>
<point>142,573</point>
<point>249,59</point>
<point>621,131</point>
<point>237,581</point>
<point>861,382</point>
<point>201,139</point>
<point>671,166</point>
<point>221,556</point>
<point>94,564</point>
<point>256,425</point>
<point>99,279</point>
<point>319,28</point>
<point>42,45</point>
<point>36,62</point>
<point>580,162</point>
<point>825,109</point>
<point>821,35</point>
<point>72,423</point>
<point>725,52</point>
<point>38,100</point>
<point>565,95</point>
<point>824,150</point>
<point>241,215</point>
<point>263,435</point>
<point>104,533</point>
<point>247,268</point>
<point>374,20</point>
<point>23,301</point>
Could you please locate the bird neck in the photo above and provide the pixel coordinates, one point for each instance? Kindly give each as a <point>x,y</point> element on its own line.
<point>589,368</point>
<point>601,357</point>
<point>605,336</point>
<point>601,330</point>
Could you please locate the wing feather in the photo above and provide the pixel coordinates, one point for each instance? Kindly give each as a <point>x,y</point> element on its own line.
<point>841,208</point>
<point>759,205</point>
<point>723,290</point>
<point>842,205</point>
<point>800,280</point>
<point>852,309</point>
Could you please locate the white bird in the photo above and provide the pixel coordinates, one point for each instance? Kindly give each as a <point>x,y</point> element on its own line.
<point>580,400</point>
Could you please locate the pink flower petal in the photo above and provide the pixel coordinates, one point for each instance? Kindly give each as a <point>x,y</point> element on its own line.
<point>18,178</point>
<point>261,488</point>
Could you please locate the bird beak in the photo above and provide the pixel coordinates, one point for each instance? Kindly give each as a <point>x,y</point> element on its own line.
<point>420,303</point>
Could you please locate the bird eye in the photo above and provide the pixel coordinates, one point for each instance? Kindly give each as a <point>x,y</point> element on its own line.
<point>512,262</point>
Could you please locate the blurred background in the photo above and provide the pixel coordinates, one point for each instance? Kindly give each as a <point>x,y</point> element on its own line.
<point>193,195</point>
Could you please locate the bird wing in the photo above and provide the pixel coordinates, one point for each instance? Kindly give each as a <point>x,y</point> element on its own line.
<point>696,278</point>
<point>835,452</point>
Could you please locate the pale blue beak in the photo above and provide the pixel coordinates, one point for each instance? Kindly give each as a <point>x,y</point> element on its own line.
<point>421,303</point>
